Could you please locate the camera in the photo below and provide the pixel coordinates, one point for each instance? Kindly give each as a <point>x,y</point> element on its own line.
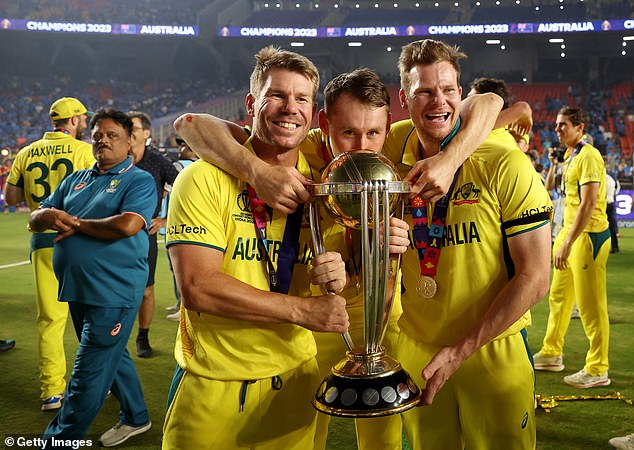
<point>558,154</point>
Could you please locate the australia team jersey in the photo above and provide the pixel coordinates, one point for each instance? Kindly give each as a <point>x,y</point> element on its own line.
<point>497,195</point>
<point>211,208</point>
<point>40,167</point>
<point>586,167</point>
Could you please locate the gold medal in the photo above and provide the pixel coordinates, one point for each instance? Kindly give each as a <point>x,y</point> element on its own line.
<point>426,287</point>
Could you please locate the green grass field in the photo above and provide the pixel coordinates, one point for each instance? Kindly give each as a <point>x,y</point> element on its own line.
<point>584,424</point>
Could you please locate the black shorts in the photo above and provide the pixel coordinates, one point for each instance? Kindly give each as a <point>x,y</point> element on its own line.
<point>151,259</point>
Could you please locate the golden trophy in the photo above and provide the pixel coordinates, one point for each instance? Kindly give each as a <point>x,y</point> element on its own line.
<point>361,189</point>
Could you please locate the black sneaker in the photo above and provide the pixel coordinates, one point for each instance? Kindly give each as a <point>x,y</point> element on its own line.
<point>6,345</point>
<point>143,349</point>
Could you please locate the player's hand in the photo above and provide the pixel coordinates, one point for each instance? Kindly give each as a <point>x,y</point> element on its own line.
<point>522,126</point>
<point>560,258</point>
<point>58,220</point>
<point>329,271</point>
<point>442,366</point>
<point>283,188</point>
<point>64,235</point>
<point>157,224</point>
<point>399,236</point>
<point>324,313</point>
<point>431,177</point>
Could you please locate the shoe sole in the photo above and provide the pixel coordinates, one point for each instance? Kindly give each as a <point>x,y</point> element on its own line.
<point>591,385</point>
<point>51,406</point>
<point>549,367</point>
<point>143,429</point>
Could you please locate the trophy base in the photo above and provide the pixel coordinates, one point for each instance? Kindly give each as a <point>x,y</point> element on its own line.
<point>366,385</point>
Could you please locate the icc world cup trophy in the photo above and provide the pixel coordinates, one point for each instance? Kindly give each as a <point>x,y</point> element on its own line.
<point>361,189</point>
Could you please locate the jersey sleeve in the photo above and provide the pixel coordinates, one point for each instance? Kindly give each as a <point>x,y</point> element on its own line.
<point>56,199</point>
<point>140,198</point>
<point>525,203</point>
<point>196,213</point>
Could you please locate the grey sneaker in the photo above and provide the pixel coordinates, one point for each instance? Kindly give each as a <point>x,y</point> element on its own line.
<point>583,380</point>
<point>623,442</point>
<point>121,433</point>
<point>548,363</point>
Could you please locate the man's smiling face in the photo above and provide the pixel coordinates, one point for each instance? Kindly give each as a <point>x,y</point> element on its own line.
<point>433,100</point>
<point>284,109</point>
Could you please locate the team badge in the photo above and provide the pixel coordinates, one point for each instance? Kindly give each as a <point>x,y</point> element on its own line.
<point>467,193</point>
<point>113,186</point>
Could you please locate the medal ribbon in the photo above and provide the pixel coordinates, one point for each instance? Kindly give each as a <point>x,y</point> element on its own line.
<point>428,237</point>
<point>575,150</point>
<point>280,280</point>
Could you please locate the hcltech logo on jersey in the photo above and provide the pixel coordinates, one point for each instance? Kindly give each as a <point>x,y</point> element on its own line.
<point>468,193</point>
<point>113,186</point>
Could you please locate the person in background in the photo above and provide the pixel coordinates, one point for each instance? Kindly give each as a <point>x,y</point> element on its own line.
<point>612,189</point>
<point>35,173</point>
<point>580,254</point>
<point>101,217</point>
<point>146,157</point>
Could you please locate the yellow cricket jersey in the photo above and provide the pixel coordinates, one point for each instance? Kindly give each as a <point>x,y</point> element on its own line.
<point>209,207</point>
<point>497,195</point>
<point>587,166</point>
<point>41,166</point>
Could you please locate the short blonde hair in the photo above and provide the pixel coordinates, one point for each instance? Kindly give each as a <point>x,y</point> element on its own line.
<point>427,52</point>
<point>274,58</point>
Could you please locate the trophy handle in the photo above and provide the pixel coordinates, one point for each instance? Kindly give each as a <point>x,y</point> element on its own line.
<point>319,248</point>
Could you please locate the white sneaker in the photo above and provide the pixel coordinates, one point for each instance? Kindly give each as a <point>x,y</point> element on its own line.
<point>121,433</point>
<point>583,379</point>
<point>548,363</point>
<point>172,308</point>
<point>623,442</point>
<point>176,317</point>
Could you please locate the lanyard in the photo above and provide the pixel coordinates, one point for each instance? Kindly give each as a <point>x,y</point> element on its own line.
<point>280,280</point>
<point>428,237</point>
<point>575,150</point>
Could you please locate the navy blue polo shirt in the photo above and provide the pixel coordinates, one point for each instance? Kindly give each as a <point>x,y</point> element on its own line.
<point>106,273</point>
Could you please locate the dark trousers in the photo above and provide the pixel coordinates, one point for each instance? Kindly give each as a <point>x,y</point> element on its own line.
<point>614,227</point>
<point>102,363</point>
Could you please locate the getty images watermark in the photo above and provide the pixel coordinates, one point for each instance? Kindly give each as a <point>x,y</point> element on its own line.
<point>37,442</point>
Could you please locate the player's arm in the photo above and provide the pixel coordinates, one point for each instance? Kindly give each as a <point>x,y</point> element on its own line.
<point>219,142</point>
<point>206,289</point>
<point>431,177</point>
<point>589,193</point>
<point>13,195</point>
<point>110,228</point>
<point>530,253</point>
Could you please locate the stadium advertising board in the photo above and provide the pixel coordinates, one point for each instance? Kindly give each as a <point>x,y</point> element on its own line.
<point>429,30</point>
<point>98,28</point>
